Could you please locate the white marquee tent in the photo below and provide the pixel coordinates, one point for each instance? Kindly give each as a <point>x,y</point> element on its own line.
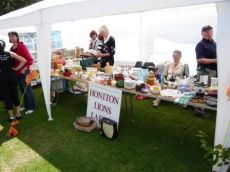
<point>43,14</point>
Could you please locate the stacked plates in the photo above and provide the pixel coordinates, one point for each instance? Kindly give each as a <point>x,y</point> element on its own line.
<point>129,84</point>
<point>184,88</point>
<point>171,93</point>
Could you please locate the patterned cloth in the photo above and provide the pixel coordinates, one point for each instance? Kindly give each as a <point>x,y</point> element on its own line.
<point>185,98</point>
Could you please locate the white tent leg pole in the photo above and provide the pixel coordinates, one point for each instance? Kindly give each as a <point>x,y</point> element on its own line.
<point>223,51</point>
<point>44,62</point>
<point>223,41</point>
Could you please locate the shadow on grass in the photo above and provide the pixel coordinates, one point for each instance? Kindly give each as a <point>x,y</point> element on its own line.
<point>152,139</point>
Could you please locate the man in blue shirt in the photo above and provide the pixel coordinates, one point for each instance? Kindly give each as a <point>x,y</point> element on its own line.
<point>206,54</point>
<point>206,60</point>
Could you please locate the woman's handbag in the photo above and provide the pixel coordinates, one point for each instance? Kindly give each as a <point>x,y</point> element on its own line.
<point>108,128</point>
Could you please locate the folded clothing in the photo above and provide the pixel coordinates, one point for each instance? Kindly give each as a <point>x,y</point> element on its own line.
<point>185,98</point>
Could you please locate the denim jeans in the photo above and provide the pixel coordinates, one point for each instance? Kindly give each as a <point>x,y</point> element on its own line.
<point>29,100</point>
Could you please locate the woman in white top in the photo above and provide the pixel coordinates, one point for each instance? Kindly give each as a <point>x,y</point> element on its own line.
<point>93,40</point>
<point>94,45</point>
<point>176,68</point>
<point>172,71</point>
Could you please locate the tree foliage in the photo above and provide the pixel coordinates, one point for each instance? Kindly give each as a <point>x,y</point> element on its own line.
<point>7,6</point>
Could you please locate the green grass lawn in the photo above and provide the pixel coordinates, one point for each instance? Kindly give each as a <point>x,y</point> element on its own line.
<point>152,139</point>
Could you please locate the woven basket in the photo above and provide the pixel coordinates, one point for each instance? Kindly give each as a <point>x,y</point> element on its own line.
<point>85,129</point>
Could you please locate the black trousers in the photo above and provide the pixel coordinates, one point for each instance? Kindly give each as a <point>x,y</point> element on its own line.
<point>8,90</point>
<point>104,60</point>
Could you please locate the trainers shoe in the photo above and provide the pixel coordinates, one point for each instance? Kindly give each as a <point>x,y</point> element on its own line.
<point>18,116</point>
<point>22,109</point>
<point>201,113</point>
<point>29,112</point>
<point>11,118</point>
<point>206,115</point>
<point>198,112</point>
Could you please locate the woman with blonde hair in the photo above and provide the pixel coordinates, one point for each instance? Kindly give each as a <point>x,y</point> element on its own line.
<point>107,49</point>
<point>176,68</point>
<point>172,71</point>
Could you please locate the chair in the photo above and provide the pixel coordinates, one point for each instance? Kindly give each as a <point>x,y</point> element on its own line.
<point>138,64</point>
<point>161,68</point>
<point>149,66</point>
<point>186,70</point>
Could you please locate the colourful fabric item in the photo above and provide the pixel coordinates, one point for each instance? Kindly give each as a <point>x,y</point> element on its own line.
<point>140,97</point>
<point>185,98</point>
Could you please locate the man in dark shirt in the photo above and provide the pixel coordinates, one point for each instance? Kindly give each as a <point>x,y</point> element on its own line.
<point>206,60</point>
<point>206,53</point>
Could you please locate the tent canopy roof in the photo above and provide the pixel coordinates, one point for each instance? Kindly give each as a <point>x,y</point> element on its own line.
<point>67,10</point>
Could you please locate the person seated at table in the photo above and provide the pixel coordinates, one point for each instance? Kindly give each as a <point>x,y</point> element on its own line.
<point>176,68</point>
<point>172,71</point>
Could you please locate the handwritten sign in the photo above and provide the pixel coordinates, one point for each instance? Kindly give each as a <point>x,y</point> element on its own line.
<point>103,101</point>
